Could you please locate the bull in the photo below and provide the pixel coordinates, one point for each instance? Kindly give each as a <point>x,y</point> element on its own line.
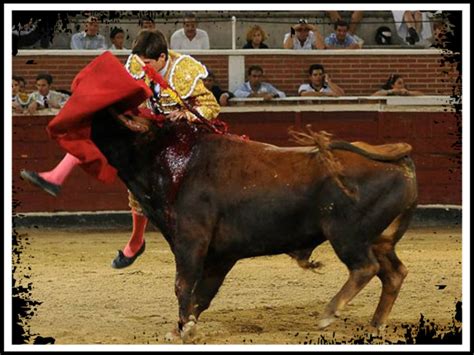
<point>218,198</point>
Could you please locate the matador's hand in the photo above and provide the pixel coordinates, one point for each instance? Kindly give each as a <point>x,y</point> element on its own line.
<point>182,115</point>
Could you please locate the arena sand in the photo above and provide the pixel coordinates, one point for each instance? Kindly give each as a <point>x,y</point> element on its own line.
<point>264,300</point>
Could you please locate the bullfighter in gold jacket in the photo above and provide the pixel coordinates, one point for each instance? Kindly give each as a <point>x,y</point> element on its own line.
<point>185,96</point>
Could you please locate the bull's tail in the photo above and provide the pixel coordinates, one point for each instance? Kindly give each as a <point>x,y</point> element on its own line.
<point>385,152</point>
<point>322,145</point>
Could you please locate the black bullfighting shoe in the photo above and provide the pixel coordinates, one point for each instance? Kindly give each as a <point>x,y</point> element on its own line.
<point>122,261</point>
<point>33,178</point>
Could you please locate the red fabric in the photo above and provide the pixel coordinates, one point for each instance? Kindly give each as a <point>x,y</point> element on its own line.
<point>156,77</point>
<point>102,83</point>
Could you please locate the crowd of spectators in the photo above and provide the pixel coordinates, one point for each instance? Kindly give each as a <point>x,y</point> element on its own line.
<point>44,97</point>
<point>319,83</point>
<point>411,26</point>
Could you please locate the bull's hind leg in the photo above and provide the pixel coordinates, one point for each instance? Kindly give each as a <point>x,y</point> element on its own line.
<point>392,271</point>
<point>363,266</point>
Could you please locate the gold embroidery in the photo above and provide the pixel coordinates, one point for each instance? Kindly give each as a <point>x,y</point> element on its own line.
<point>134,67</point>
<point>134,204</point>
<point>185,74</point>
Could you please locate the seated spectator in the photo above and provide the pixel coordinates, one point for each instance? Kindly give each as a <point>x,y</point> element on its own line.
<point>255,37</point>
<point>90,37</point>
<point>22,82</point>
<point>221,96</point>
<point>44,97</point>
<point>340,38</point>
<point>20,99</point>
<point>147,23</point>
<point>320,84</point>
<point>441,30</point>
<point>356,18</point>
<point>189,37</point>
<point>413,27</point>
<point>117,37</point>
<point>254,87</point>
<point>395,85</point>
<point>303,36</point>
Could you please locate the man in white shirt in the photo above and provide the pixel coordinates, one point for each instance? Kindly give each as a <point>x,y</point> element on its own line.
<point>189,37</point>
<point>303,36</point>
<point>44,97</point>
<point>320,84</point>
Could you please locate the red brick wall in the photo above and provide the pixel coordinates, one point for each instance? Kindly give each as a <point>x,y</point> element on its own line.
<point>433,135</point>
<point>356,74</point>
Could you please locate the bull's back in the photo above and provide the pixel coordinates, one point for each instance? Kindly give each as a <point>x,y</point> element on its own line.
<point>276,199</point>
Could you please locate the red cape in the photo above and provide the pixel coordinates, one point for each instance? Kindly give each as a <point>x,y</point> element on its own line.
<point>102,83</point>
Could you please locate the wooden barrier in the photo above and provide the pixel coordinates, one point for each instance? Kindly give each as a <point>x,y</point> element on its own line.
<point>433,131</point>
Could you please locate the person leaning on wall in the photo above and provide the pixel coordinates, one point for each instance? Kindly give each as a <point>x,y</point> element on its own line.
<point>395,86</point>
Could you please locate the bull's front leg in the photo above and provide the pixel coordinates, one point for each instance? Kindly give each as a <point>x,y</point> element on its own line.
<point>189,268</point>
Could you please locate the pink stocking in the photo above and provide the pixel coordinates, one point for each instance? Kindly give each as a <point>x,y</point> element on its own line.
<point>61,171</point>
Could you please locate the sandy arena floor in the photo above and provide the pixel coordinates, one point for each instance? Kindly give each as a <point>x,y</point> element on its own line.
<point>264,300</point>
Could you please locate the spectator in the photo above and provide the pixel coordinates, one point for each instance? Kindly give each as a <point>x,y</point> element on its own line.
<point>117,37</point>
<point>221,96</point>
<point>441,29</point>
<point>395,85</point>
<point>255,37</point>
<point>90,37</point>
<point>20,99</point>
<point>413,27</point>
<point>254,87</point>
<point>356,18</point>
<point>44,97</point>
<point>147,23</point>
<point>341,39</point>
<point>320,84</point>
<point>189,37</point>
<point>22,82</point>
<point>303,36</point>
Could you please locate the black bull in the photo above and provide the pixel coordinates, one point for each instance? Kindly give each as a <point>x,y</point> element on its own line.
<point>220,198</point>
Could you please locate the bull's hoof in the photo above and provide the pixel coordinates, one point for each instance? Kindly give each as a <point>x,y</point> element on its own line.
<point>189,331</point>
<point>173,336</point>
<point>377,330</point>
<point>325,322</point>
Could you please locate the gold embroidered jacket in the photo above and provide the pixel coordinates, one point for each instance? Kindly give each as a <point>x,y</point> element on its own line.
<point>184,74</point>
